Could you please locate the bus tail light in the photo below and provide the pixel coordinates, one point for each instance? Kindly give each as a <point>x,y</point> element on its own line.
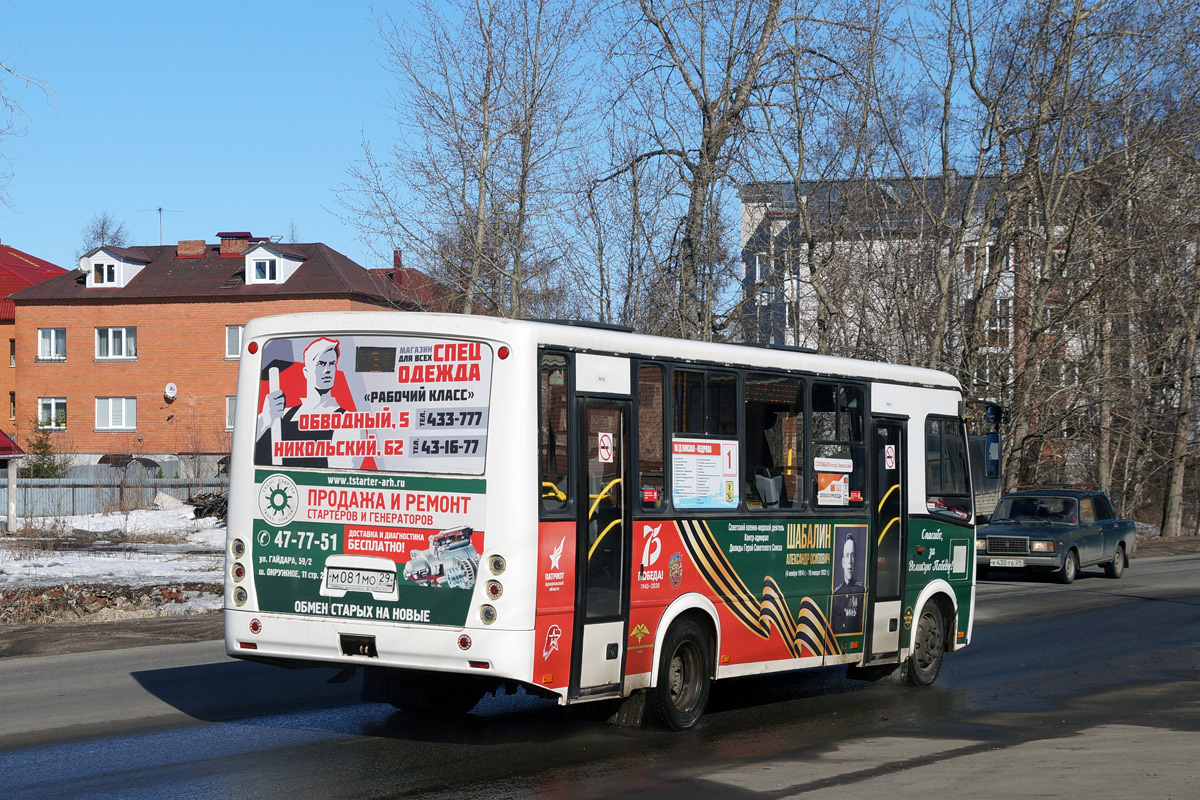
<point>487,614</point>
<point>497,564</point>
<point>255,626</point>
<point>239,572</point>
<point>240,596</point>
<point>238,548</point>
<point>464,642</point>
<point>494,590</point>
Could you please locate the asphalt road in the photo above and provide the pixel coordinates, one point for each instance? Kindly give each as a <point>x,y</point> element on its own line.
<point>1091,690</point>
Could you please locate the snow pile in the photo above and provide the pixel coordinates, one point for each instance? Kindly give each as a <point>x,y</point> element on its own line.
<point>156,547</point>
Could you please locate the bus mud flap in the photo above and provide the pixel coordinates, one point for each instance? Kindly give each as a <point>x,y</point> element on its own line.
<point>880,673</point>
<point>631,711</point>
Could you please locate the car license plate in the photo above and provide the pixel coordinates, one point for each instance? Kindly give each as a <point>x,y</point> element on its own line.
<point>1008,562</point>
<point>360,580</point>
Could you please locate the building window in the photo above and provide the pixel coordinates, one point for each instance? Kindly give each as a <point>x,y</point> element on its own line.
<point>12,352</point>
<point>230,406</point>
<point>12,405</point>
<point>104,274</point>
<point>264,270</point>
<point>116,342</point>
<point>52,344</point>
<point>116,413</point>
<point>998,324</point>
<point>233,341</point>
<point>52,413</point>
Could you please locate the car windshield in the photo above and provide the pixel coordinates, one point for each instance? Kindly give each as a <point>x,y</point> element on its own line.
<point>1035,509</point>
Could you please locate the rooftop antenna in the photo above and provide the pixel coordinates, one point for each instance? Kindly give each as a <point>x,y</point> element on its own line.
<point>160,211</point>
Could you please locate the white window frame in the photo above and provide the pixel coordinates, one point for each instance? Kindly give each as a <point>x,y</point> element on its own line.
<point>230,408</point>
<point>104,274</point>
<point>123,420</point>
<point>49,342</point>
<point>125,338</point>
<point>49,421</point>
<point>233,348</point>
<point>270,270</point>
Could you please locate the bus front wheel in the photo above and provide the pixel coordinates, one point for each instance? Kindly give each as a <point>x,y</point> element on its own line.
<point>684,677</point>
<point>929,648</point>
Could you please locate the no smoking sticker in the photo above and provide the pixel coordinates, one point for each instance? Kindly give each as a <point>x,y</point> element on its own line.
<point>604,448</point>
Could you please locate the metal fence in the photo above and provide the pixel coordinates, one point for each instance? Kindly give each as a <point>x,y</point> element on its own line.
<point>63,497</point>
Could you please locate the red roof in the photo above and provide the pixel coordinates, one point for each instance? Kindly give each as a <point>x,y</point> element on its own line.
<point>19,270</point>
<point>323,272</point>
<point>8,447</point>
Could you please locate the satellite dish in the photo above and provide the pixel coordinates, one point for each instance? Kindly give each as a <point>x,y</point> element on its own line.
<point>170,392</point>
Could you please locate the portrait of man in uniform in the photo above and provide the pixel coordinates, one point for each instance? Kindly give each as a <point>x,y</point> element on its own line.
<point>849,593</point>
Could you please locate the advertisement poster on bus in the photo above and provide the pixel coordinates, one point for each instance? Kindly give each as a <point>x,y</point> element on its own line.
<point>399,549</point>
<point>704,473</point>
<point>374,403</point>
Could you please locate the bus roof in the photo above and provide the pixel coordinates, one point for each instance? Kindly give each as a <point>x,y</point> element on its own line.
<point>598,339</point>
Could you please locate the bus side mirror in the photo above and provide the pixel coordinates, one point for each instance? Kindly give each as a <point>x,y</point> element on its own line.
<point>992,455</point>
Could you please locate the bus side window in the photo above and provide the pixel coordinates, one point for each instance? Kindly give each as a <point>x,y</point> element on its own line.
<point>946,489</point>
<point>774,442</point>
<point>839,453</point>
<point>651,483</point>
<point>554,433</point>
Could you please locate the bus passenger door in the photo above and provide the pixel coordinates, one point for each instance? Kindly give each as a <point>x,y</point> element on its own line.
<point>602,571</point>
<point>888,532</point>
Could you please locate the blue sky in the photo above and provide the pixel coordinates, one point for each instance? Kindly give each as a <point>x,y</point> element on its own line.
<point>235,116</point>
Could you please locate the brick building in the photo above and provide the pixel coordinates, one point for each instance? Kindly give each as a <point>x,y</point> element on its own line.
<point>137,350</point>
<point>18,270</point>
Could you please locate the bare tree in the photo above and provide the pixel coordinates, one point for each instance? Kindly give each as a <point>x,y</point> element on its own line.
<point>13,115</point>
<point>486,98</point>
<point>690,70</point>
<point>102,229</point>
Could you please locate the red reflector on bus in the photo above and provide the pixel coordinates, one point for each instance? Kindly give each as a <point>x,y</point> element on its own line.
<point>252,347</point>
<point>480,664</point>
<point>248,645</point>
<point>502,352</point>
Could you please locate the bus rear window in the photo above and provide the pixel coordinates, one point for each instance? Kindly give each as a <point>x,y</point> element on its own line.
<point>374,403</point>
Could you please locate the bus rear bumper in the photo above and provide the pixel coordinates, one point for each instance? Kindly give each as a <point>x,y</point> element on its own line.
<point>295,641</point>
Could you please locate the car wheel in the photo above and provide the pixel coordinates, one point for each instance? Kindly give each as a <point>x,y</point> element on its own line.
<point>684,678</point>
<point>929,647</point>
<point>1070,568</point>
<point>1116,567</point>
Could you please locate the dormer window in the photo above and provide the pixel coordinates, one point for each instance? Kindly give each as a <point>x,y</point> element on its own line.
<point>103,274</point>
<point>269,263</point>
<point>265,270</point>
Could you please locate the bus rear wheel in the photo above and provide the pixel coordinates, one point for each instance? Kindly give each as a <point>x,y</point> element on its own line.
<point>929,648</point>
<point>684,677</point>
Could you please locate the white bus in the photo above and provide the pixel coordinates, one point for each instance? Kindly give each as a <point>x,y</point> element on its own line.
<point>458,504</point>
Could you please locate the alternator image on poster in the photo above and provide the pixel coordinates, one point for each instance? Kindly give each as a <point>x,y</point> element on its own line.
<point>358,402</point>
<point>451,560</point>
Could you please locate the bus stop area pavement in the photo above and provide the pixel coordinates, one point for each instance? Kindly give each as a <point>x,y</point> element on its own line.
<point>98,597</point>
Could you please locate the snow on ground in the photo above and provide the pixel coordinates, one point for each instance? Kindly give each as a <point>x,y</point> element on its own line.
<point>193,552</point>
